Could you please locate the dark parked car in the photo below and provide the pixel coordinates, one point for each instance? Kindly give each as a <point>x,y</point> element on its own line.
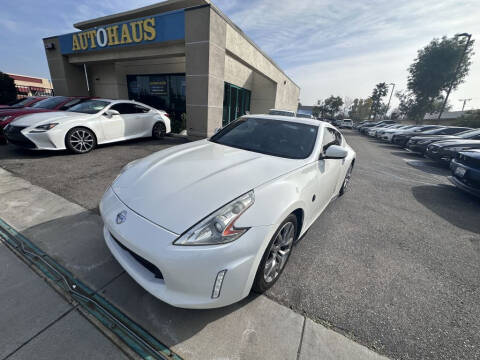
<point>444,151</point>
<point>419,143</point>
<point>466,171</point>
<point>402,138</point>
<point>21,103</point>
<point>53,103</point>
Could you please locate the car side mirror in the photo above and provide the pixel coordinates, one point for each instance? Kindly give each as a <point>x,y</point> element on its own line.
<point>334,152</point>
<point>111,112</point>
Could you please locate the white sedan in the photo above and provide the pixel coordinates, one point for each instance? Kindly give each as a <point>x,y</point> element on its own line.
<point>91,122</point>
<point>201,224</point>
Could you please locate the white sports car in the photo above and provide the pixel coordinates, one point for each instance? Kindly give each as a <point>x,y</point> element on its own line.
<point>83,126</point>
<point>199,225</point>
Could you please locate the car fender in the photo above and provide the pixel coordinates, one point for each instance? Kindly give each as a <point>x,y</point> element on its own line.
<point>164,120</point>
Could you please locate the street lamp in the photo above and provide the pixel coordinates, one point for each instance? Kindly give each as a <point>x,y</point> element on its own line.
<point>388,106</point>
<point>468,36</point>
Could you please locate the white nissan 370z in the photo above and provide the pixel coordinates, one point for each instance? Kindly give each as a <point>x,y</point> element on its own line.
<point>202,224</point>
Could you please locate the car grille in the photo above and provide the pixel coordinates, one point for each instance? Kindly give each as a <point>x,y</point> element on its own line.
<point>147,264</point>
<point>14,135</point>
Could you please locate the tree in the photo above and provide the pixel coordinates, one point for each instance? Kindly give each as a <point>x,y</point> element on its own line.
<point>432,72</point>
<point>332,105</point>
<point>8,92</point>
<point>470,118</point>
<point>414,110</point>
<point>380,90</point>
<point>360,109</point>
<point>347,105</point>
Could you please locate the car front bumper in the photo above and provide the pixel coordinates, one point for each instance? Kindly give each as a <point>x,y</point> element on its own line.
<point>417,148</point>
<point>188,273</point>
<point>22,136</point>
<point>469,181</point>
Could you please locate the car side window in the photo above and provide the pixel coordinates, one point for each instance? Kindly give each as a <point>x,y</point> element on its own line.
<point>329,138</point>
<point>338,137</point>
<point>141,109</point>
<point>125,108</point>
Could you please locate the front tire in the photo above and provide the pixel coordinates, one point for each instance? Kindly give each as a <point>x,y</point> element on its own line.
<point>276,255</point>
<point>159,130</point>
<point>80,140</point>
<point>346,181</point>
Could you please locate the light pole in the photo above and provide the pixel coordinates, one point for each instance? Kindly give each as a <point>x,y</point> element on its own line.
<point>468,36</point>
<point>388,106</point>
<point>464,102</point>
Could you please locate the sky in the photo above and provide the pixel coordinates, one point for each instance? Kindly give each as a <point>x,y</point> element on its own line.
<point>328,47</point>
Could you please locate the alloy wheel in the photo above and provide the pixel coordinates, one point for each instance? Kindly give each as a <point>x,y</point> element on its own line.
<point>279,252</point>
<point>82,141</point>
<point>347,179</point>
<point>158,130</point>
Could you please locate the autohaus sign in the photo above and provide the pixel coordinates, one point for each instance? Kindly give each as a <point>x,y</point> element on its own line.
<point>158,28</point>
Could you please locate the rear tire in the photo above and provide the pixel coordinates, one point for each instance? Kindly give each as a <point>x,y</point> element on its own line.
<point>276,255</point>
<point>80,140</point>
<point>159,130</point>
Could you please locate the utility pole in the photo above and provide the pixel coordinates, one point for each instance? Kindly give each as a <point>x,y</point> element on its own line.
<point>388,106</point>
<point>468,36</point>
<point>464,102</point>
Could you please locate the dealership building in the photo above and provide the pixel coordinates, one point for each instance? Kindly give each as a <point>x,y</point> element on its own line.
<point>182,56</point>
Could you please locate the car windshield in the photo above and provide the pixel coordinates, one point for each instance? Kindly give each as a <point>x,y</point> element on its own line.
<point>281,112</point>
<point>272,137</point>
<point>21,103</point>
<point>50,103</point>
<point>307,116</point>
<point>469,134</point>
<point>89,106</point>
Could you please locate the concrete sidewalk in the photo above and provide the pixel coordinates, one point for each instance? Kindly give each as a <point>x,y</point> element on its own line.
<point>252,329</point>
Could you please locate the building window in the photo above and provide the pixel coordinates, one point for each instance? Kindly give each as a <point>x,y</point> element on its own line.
<point>163,92</point>
<point>236,102</point>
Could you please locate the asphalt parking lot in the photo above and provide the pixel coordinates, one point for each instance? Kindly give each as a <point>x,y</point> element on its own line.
<point>394,263</point>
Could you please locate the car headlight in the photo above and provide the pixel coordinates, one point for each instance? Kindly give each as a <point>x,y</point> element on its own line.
<point>44,127</point>
<point>5,118</point>
<point>219,227</point>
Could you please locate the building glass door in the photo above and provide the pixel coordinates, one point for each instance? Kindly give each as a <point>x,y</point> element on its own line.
<point>163,92</point>
<point>236,102</point>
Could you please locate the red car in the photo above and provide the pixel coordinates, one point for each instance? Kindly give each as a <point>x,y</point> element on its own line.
<point>21,103</point>
<point>53,103</point>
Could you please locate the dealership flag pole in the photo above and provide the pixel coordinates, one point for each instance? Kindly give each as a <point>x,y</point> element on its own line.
<point>86,78</point>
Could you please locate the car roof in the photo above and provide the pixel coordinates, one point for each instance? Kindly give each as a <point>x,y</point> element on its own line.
<point>291,111</point>
<point>286,118</point>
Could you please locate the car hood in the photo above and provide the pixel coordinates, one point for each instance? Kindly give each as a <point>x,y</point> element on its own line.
<point>48,117</point>
<point>177,187</point>
<point>22,111</point>
<point>457,142</point>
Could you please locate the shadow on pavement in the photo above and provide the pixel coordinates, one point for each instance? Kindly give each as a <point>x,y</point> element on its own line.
<point>407,153</point>
<point>429,167</point>
<point>457,207</point>
<point>9,151</point>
